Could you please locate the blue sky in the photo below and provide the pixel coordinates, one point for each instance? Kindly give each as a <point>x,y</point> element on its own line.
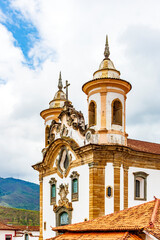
<point>24,32</point>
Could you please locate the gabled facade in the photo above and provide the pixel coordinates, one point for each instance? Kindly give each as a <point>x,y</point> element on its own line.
<point>91,170</point>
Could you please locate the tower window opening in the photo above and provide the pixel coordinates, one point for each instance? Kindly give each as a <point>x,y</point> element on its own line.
<point>117,112</point>
<point>92,114</point>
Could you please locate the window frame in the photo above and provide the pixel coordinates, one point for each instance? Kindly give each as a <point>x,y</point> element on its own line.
<point>8,235</point>
<point>143,176</point>
<point>74,196</point>
<point>107,191</point>
<point>52,182</point>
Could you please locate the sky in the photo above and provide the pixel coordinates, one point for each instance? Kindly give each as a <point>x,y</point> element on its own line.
<point>40,38</point>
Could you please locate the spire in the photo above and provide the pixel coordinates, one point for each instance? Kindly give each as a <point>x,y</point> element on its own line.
<point>106,50</point>
<point>60,85</point>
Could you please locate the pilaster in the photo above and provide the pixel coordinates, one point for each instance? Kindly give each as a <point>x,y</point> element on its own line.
<point>96,190</point>
<point>41,207</point>
<point>125,186</point>
<point>116,166</point>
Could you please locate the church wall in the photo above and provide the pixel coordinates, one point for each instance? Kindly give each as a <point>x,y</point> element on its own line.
<point>153,189</point>
<point>82,205</point>
<point>109,181</point>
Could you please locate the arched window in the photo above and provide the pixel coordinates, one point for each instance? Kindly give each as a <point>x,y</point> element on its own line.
<point>92,114</point>
<point>53,182</point>
<point>75,185</point>
<point>140,186</point>
<point>75,179</point>
<point>64,219</point>
<point>117,112</point>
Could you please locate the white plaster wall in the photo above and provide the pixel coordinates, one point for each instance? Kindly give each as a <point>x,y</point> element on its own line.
<point>97,98</point>
<point>109,181</point>
<point>110,97</point>
<point>4,232</point>
<point>80,208</point>
<point>22,236</point>
<point>153,188</point>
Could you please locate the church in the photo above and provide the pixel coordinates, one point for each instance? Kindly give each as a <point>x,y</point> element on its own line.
<point>90,170</point>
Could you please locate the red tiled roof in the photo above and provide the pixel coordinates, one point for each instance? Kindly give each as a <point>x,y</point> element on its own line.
<point>6,227</point>
<point>131,219</point>
<point>97,236</point>
<point>28,228</point>
<point>144,146</point>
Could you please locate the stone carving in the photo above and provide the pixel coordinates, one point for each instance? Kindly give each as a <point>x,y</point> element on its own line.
<point>74,174</point>
<point>53,127</point>
<point>74,118</point>
<point>63,192</point>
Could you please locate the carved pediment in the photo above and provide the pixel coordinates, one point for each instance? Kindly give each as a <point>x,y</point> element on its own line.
<point>74,118</point>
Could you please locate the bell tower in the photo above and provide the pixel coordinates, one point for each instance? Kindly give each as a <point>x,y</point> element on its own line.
<point>55,107</point>
<point>106,95</point>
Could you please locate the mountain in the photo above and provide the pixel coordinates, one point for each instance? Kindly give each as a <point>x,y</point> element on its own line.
<point>16,193</point>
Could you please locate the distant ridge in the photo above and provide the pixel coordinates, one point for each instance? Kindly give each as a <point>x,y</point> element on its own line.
<point>15,216</point>
<point>16,193</point>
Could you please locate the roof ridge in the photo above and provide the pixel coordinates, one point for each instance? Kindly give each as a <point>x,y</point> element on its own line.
<point>142,141</point>
<point>154,213</point>
<point>125,236</point>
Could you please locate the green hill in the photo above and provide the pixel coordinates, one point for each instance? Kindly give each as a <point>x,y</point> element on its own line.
<point>17,193</point>
<point>19,216</point>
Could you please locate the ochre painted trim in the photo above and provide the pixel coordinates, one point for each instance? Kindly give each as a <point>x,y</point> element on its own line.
<point>103,110</point>
<point>96,190</point>
<point>125,186</point>
<point>106,82</point>
<point>41,208</point>
<point>116,187</point>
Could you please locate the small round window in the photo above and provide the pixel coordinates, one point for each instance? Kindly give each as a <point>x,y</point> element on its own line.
<point>109,192</point>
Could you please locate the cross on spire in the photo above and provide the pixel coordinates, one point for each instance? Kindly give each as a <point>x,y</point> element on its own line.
<point>67,85</point>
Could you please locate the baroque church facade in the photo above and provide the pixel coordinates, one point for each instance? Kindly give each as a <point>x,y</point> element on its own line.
<point>92,170</point>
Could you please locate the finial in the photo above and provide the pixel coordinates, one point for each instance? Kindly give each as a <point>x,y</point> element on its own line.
<point>60,85</point>
<point>106,50</point>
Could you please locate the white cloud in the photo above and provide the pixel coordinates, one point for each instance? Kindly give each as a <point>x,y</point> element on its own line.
<point>71,39</point>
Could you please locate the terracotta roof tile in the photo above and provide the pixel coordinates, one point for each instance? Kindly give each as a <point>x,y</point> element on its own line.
<point>144,146</point>
<point>29,228</point>
<point>6,227</point>
<point>97,236</point>
<point>134,218</point>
